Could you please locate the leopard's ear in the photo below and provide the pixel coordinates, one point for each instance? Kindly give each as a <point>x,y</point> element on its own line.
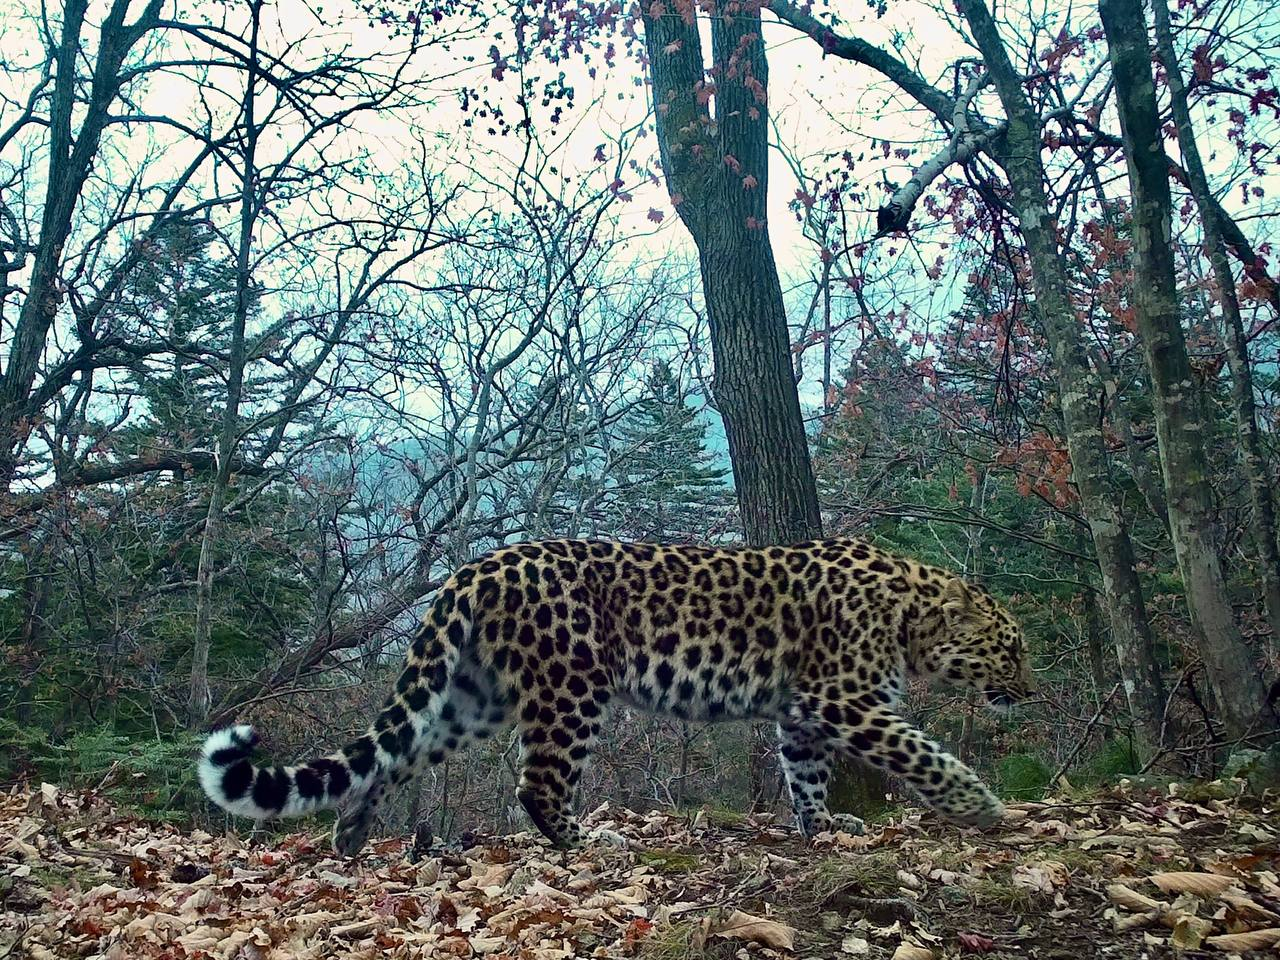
<point>958,606</point>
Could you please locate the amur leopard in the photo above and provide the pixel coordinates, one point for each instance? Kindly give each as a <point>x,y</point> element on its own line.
<point>819,637</point>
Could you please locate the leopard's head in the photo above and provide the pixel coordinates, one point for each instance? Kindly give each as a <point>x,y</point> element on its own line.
<point>979,646</point>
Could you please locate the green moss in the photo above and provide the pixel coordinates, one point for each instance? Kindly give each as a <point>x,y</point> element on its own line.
<point>51,876</point>
<point>1022,776</point>
<point>1000,893</point>
<point>1116,759</point>
<point>671,941</point>
<point>719,816</point>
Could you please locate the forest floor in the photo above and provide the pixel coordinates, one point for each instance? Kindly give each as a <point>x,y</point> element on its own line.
<point>1126,874</point>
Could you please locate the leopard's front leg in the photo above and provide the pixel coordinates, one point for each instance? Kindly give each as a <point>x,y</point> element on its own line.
<point>807,761</point>
<point>885,739</point>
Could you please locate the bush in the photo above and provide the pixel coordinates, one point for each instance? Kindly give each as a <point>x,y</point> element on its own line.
<point>155,775</point>
<point>19,746</point>
<point>1115,760</point>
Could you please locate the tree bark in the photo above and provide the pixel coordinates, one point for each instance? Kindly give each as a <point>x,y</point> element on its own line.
<point>1093,641</point>
<point>1253,461</point>
<point>717,170</point>
<point>1146,476</point>
<point>1018,154</point>
<point>1233,672</point>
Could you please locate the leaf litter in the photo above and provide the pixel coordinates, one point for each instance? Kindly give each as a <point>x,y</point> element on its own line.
<point>1129,873</point>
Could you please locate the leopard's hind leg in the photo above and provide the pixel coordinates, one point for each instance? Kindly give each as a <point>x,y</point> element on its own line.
<point>472,711</point>
<point>557,736</point>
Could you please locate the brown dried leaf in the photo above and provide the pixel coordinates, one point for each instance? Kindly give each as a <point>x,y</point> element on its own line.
<point>909,880</point>
<point>1189,932</point>
<point>1043,875</point>
<point>909,951</point>
<point>743,926</point>
<point>1207,885</point>
<point>1130,899</point>
<point>1236,866</point>
<point>1240,942</point>
<point>1134,921</point>
<point>357,930</point>
<point>1242,904</point>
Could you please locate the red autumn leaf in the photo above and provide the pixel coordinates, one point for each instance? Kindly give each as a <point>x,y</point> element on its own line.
<point>975,943</point>
<point>636,931</point>
<point>141,875</point>
<point>447,913</point>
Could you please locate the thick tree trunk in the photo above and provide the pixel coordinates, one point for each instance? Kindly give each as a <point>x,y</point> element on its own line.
<point>1253,461</point>
<point>755,392</point>
<point>1019,156</point>
<point>1146,475</point>
<point>1233,672</point>
<point>1094,642</point>
<point>718,173</point>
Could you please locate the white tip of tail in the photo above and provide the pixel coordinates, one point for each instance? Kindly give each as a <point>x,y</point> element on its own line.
<point>222,750</point>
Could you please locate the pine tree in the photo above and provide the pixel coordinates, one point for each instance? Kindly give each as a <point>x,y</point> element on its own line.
<point>183,294</point>
<point>670,486</point>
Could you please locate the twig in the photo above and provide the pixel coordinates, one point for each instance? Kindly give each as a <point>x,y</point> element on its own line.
<point>881,910</point>
<point>1084,738</point>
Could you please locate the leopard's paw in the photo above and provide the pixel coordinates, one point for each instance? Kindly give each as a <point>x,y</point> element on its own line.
<point>350,833</point>
<point>610,837</point>
<point>847,823</point>
<point>975,806</point>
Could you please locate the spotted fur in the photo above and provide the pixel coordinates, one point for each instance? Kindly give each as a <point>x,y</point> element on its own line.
<point>819,637</point>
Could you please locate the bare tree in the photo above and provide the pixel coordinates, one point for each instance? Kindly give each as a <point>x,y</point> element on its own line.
<point>55,102</point>
<point>717,171</point>
<point>1253,459</point>
<point>1014,145</point>
<point>1233,674</point>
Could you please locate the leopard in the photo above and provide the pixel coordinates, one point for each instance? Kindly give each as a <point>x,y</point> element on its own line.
<point>820,638</point>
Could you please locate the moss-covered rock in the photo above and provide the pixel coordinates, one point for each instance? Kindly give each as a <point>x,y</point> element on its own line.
<point>1259,769</point>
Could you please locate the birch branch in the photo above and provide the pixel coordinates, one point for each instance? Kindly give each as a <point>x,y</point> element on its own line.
<point>964,145</point>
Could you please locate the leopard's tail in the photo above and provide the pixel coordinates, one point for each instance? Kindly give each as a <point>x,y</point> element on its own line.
<point>232,781</point>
